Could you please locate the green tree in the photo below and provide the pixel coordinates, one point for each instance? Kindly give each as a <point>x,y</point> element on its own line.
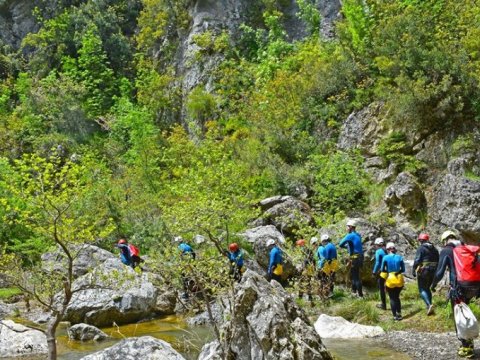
<point>54,199</point>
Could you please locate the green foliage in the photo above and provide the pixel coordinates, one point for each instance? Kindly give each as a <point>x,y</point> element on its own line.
<point>310,14</point>
<point>93,71</point>
<point>394,149</point>
<point>339,182</point>
<point>200,105</point>
<point>7,293</point>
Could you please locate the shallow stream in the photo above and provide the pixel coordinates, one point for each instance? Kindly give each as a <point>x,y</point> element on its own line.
<point>189,340</point>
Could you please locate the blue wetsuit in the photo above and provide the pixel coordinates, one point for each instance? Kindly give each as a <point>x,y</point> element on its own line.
<point>275,259</point>
<point>125,255</point>
<point>394,263</point>
<point>326,253</point>
<point>379,254</point>
<point>353,243</point>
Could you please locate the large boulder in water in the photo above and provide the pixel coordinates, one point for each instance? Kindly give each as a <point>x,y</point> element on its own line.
<point>19,341</point>
<point>266,323</point>
<point>85,332</point>
<point>112,293</point>
<point>144,348</point>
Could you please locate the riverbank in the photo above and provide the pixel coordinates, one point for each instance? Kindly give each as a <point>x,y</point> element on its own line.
<point>426,345</point>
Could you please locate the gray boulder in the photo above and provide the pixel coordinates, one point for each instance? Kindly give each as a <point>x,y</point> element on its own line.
<point>286,213</point>
<point>266,323</point>
<point>166,302</point>
<point>113,293</point>
<point>455,204</point>
<point>85,332</point>
<point>86,258</point>
<point>263,233</point>
<point>145,348</point>
<point>405,198</point>
<point>5,309</point>
<point>19,341</point>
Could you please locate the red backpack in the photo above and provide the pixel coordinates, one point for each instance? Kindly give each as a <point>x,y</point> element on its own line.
<point>467,262</point>
<point>134,251</point>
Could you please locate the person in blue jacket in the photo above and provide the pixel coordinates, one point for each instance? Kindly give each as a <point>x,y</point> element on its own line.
<point>353,243</point>
<point>275,263</point>
<point>379,254</point>
<point>235,255</point>
<point>393,263</point>
<point>327,263</point>
<point>186,251</point>
<point>125,254</point>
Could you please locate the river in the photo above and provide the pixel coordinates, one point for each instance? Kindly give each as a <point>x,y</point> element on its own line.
<point>189,340</point>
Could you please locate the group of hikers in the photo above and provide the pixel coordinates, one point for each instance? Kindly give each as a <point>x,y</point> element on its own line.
<point>320,264</point>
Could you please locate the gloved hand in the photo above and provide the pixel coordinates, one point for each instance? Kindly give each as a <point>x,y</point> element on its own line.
<point>433,289</point>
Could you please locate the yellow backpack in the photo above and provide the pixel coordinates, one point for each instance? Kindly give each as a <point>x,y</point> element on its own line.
<point>394,280</point>
<point>278,270</point>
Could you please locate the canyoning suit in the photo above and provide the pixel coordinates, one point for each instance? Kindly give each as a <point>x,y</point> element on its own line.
<point>236,264</point>
<point>125,255</point>
<point>353,243</point>
<point>424,267</point>
<point>188,283</point>
<point>307,273</point>
<point>275,264</point>
<point>379,255</point>
<point>445,262</point>
<point>393,263</point>
<point>327,266</point>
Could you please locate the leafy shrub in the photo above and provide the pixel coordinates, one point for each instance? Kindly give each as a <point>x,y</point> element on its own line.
<point>339,182</point>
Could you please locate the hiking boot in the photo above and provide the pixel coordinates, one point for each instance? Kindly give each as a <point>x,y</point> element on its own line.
<point>430,310</point>
<point>398,317</point>
<point>466,352</point>
<point>381,306</point>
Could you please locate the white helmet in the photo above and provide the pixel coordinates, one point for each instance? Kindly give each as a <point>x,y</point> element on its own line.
<point>379,241</point>
<point>390,245</point>
<point>351,223</point>
<point>313,240</point>
<point>325,237</point>
<point>447,234</point>
<point>270,242</point>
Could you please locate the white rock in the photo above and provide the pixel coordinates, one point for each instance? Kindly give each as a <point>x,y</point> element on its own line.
<point>339,328</point>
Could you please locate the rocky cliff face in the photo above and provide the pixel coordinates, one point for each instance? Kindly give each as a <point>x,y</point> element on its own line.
<point>17,20</point>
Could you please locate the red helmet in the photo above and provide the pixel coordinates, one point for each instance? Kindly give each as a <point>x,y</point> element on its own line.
<point>300,242</point>
<point>423,237</point>
<point>233,247</point>
<point>122,241</point>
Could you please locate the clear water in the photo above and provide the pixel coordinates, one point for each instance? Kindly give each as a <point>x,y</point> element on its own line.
<point>362,349</point>
<point>188,341</point>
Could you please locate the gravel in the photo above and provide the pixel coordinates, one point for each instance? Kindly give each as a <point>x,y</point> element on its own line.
<point>427,346</point>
